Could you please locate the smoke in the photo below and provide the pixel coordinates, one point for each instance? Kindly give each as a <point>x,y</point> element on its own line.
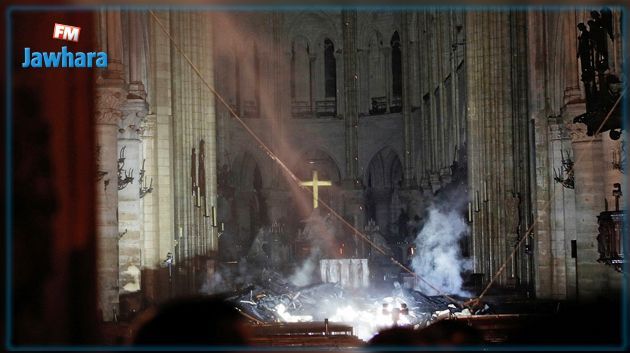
<point>303,275</point>
<point>320,233</point>
<point>215,284</point>
<point>224,278</point>
<point>438,258</point>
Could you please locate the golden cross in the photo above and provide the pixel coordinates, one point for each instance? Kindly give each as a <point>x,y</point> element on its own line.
<point>315,184</point>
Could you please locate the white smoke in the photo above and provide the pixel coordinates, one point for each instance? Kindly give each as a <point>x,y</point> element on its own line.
<point>214,284</point>
<point>438,258</point>
<point>303,275</point>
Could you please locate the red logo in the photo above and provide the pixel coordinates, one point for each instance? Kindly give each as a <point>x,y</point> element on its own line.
<point>66,32</point>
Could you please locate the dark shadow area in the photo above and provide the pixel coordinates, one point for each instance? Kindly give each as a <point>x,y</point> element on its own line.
<point>194,321</point>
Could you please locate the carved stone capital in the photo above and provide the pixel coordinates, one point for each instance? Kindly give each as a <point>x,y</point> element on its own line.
<point>134,112</point>
<point>577,132</point>
<point>109,98</point>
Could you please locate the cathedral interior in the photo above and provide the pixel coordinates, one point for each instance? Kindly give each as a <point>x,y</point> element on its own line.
<point>336,178</point>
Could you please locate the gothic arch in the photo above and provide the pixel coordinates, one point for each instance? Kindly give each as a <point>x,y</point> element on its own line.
<point>244,169</point>
<point>368,34</point>
<point>318,17</point>
<point>248,210</point>
<point>383,177</point>
<point>384,169</point>
<point>328,98</point>
<point>322,158</point>
<point>396,44</point>
<point>330,69</point>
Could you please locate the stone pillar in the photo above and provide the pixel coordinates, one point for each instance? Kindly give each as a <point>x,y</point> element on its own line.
<point>163,194</point>
<point>351,115</point>
<point>209,118</point>
<point>497,132</point>
<point>130,212</point>
<point>354,212</point>
<point>110,94</point>
<point>562,217</point>
<point>572,91</point>
<point>136,58</point>
<point>150,207</point>
<point>408,133</point>
<point>592,276</point>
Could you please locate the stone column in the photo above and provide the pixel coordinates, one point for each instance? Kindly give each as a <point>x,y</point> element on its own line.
<point>110,94</point>
<point>562,216</point>
<point>572,91</point>
<point>209,119</point>
<point>129,204</point>
<point>351,116</point>
<point>497,131</point>
<point>151,255</point>
<point>408,133</point>
<point>150,277</point>
<point>130,213</point>
<point>592,276</point>
<point>163,183</point>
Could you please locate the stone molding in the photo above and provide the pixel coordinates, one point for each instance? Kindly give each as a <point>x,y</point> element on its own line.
<point>558,132</point>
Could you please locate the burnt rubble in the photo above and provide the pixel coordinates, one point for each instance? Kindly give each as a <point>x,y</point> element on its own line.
<point>271,298</point>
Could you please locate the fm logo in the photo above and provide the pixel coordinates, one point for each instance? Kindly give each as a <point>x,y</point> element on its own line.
<point>66,32</point>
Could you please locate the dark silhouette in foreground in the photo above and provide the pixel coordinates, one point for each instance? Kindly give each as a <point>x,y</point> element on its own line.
<point>195,321</point>
<point>442,333</point>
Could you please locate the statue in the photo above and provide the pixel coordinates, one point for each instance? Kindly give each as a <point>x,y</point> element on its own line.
<point>585,47</point>
<point>600,25</point>
<point>601,87</point>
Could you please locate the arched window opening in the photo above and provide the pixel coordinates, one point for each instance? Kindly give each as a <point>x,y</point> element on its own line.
<point>301,95</point>
<point>330,69</point>
<point>327,107</point>
<point>396,100</point>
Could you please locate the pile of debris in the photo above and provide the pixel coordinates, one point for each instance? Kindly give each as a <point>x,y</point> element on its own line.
<point>272,299</point>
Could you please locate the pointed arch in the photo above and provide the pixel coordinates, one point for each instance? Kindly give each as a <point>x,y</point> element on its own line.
<point>244,170</point>
<point>330,69</point>
<point>396,68</point>
<point>383,176</point>
<point>384,169</point>
<point>376,87</point>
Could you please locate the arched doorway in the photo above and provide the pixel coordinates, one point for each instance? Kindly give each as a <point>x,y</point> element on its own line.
<point>249,209</point>
<point>383,180</point>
